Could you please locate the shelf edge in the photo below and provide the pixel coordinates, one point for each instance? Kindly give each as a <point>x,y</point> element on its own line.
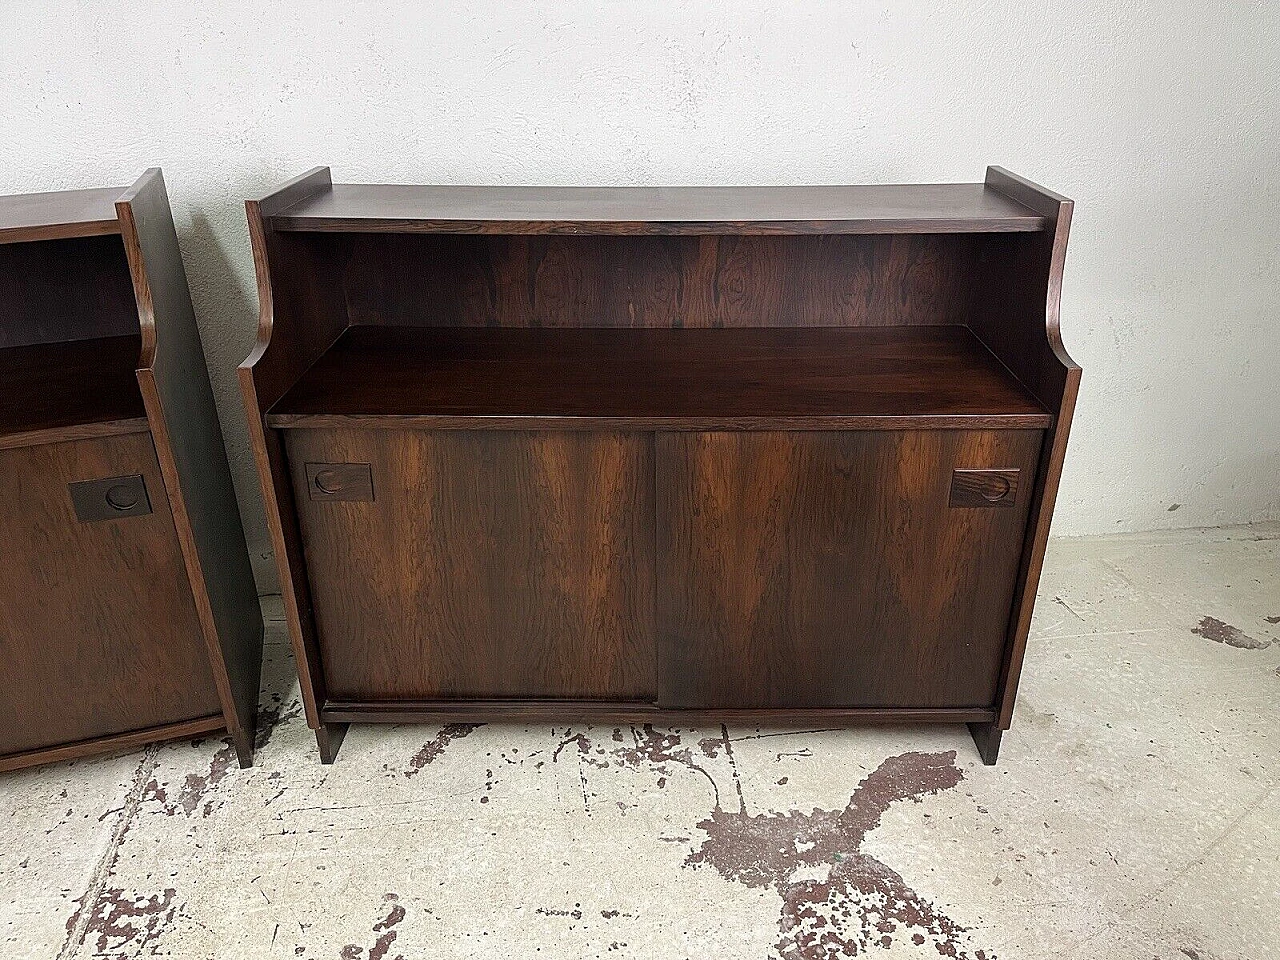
<point>320,224</point>
<point>319,421</point>
<point>78,431</point>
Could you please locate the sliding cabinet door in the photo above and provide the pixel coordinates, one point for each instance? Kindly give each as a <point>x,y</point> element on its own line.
<point>852,569</point>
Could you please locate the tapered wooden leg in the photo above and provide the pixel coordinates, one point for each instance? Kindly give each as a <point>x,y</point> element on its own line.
<point>987,737</point>
<point>243,741</point>
<point>329,739</point>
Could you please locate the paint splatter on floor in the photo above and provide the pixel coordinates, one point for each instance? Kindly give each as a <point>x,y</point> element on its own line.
<point>837,901</point>
<point>129,924</point>
<point>1088,839</point>
<point>384,932</point>
<point>433,748</point>
<point>1211,628</point>
<point>196,788</point>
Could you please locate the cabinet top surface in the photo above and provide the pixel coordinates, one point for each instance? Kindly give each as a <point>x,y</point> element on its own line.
<point>65,213</point>
<point>909,208</point>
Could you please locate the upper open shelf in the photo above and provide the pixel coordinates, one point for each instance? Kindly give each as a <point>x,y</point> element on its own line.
<point>700,379</point>
<point>62,390</point>
<point>914,208</point>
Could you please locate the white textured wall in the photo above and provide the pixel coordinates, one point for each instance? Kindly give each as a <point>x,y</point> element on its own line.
<point>1159,119</point>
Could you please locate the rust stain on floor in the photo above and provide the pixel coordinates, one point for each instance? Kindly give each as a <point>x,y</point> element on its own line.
<point>837,901</point>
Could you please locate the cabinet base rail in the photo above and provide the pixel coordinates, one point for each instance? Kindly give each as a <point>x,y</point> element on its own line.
<point>336,714</point>
<point>116,743</point>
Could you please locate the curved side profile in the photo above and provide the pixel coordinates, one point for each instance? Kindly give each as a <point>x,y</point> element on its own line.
<point>265,375</point>
<point>1023,289</point>
<point>188,439</point>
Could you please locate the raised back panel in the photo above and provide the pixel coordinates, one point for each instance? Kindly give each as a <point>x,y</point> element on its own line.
<point>53,291</point>
<point>641,281</point>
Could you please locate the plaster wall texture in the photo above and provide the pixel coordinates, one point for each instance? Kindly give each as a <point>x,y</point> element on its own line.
<point>1157,118</point>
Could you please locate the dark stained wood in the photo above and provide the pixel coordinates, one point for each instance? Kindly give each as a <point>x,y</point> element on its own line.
<point>329,736</point>
<point>61,290</point>
<point>645,281</point>
<point>119,743</point>
<point>619,711</point>
<point>931,208</point>
<point>986,737</point>
<point>110,498</point>
<point>188,438</point>
<point>51,388</point>
<point>74,431</point>
<point>828,570</point>
<point>64,213</point>
<point>1017,302</point>
<point>984,488</point>
<point>107,610</point>
<point>489,565</point>
<point>339,481</point>
<point>301,314</point>
<point>101,636</point>
<point>296,290</point>
<point>669,379</point>
<point>365,292</point>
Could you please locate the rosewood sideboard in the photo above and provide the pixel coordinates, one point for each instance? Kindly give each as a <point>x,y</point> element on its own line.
<point>782,454</point>
<point>128,612</point>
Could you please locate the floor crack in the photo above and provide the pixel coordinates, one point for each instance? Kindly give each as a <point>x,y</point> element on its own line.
<point>106,865</point>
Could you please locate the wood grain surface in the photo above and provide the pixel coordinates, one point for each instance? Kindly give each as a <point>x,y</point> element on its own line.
<point>914,208</point>
<point>662,378</point>
<point>100,634</point>
<point>488,565</point>
<point>61,290</point>
<point>28,217</point>
<point>641,281</point>
<point>828,570</point>
<point>53,389</point>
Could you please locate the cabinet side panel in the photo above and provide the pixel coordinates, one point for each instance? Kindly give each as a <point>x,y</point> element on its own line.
<point>98,631</point>
<point>188,436</point>
<point>487,564</point>
<point>831,570</point>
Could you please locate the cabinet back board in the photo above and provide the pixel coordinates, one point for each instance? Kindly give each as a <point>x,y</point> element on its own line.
<point>70,289</point>
<point>626,281</point>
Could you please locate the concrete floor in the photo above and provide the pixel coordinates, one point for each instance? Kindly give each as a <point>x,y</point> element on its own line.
<point>1134,813</point>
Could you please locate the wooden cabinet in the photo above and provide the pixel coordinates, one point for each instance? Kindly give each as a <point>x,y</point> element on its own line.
<point>127,611</point>
<point>768,453</point>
